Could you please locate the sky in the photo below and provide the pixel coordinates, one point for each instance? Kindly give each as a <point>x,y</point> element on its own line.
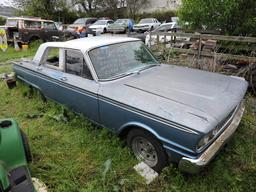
<point>6,2</point>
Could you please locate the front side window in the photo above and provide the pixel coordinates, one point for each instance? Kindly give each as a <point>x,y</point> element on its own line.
<point>118,60</point>
<point>76,65</point>
<point>110,22</point>
<point>49,25</point>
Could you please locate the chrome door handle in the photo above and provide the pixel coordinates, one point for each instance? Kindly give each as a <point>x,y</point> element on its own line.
<point>39,69</point>
<point>63,78</point>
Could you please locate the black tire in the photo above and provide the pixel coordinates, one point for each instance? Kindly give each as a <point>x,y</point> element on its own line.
<point>26,147</point>
<point>161,156</point>
<point>104,30</point>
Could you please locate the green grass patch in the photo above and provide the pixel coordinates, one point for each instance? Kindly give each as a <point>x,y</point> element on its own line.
<point>10,53</point>
<point>73,155</point>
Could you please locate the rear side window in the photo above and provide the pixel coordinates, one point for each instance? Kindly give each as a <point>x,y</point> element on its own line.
<point>76,65</point>
<point>12,22</point>
<point>51,58</point>
<point>32,24</point>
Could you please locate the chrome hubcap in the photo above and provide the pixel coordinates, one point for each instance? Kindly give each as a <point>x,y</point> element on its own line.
<point>144,151</point>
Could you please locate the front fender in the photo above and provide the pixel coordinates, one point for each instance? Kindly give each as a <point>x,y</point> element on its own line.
<point>130,125</point>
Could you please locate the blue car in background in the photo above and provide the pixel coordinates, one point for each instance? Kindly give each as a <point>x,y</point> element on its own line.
<point>165,112</point>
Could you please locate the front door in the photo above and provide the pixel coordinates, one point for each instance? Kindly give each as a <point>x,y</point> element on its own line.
<point>51,33</point>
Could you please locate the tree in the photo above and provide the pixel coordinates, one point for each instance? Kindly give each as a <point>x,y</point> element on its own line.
<point>134,6</point>
<point>89,6</point>
<point>48,9</point>
<point>233,17</point>
<point>2,20</point>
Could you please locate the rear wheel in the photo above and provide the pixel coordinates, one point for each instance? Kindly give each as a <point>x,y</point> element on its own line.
<point>147,149</point>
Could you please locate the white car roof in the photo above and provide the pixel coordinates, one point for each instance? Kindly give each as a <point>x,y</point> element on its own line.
<point>83,44</point>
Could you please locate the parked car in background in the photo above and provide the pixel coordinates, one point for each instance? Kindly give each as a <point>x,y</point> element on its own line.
<point>165,27</point>
<point>14,158</point>
<point>165,112</point>
<point>101,26</point>
<point>79,25</point>
<point>147,24</point>
<point>172,27</point>
<point>28,29</point>
<point>121,25</point>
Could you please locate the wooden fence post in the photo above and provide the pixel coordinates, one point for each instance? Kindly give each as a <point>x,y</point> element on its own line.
<point>199,47</point>
<point>199,51</point>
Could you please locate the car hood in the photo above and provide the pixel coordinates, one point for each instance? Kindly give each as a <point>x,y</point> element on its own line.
<point>190,97</point>
<point>97,26</point>
<point>117,25</point>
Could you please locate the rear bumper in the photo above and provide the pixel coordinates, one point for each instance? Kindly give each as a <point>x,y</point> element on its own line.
<point>193,166</point>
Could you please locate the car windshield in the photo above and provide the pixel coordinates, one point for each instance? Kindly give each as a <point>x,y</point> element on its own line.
<point>11,22</point>
<point>121,21</point>
<point>80,21</point>
<point>100,22</point>
<point>122,59</point>
<point>142,21</point>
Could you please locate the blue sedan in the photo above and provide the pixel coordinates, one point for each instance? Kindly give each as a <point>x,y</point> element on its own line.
<point>165,112</point>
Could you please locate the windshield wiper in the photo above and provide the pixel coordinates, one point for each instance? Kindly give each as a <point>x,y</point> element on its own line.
<point>146,67</point>
<point>130,73</point>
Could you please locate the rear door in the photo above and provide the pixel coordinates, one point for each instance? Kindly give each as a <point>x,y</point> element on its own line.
<point>31,30</point>
<point>68,81</point>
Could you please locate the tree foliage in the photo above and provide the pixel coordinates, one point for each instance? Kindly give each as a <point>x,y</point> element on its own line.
<point>134,6</point>
<point>56,9</point>
<point>2,20</point>
<point>233,17</point>
<point>48,9</point>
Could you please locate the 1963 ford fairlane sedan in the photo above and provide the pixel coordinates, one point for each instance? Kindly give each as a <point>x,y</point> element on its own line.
<point>165,112</point>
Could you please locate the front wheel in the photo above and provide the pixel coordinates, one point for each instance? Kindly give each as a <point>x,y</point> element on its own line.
<point>147,149</point>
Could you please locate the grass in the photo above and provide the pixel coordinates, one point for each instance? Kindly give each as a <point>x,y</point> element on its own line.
<point>73,155</point>
<point>10,53</point>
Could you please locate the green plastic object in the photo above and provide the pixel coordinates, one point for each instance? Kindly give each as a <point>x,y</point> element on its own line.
<point>14,173</point>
